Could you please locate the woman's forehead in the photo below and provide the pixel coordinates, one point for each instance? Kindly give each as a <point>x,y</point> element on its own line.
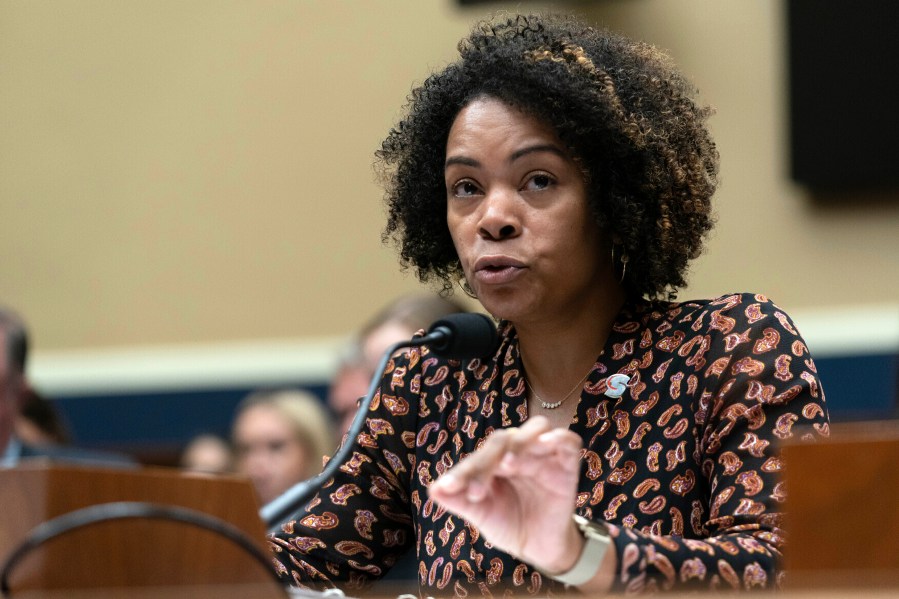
<point>498,123</point>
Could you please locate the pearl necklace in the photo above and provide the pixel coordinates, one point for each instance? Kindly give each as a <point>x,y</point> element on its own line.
<point>555,404</point>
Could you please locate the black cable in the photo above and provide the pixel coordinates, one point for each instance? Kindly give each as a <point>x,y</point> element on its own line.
<point>281,508</point>
<point>457,336</point>
<point>121,510</point>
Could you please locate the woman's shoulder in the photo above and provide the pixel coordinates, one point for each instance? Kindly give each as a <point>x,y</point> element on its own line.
<point>732,312</point>
<point>725,302</point>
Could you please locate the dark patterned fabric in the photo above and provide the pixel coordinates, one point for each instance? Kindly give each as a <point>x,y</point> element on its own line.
<point>684,465</point>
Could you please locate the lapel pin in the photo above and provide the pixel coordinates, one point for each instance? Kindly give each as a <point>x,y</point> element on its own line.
<point>616,385</point>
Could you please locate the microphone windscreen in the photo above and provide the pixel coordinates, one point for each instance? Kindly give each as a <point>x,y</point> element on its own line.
<point>470,335</point>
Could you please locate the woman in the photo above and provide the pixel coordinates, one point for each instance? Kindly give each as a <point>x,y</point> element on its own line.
<point>563,176</point>
<point>280,438</point>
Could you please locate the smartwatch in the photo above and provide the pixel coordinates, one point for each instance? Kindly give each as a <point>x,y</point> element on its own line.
<point>598,542</point>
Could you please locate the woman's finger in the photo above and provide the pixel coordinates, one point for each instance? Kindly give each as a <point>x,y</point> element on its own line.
<point>473,474</point>
<point>551,453</point>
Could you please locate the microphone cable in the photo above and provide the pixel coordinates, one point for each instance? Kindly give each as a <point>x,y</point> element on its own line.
<point>456,336</point>
<point>279,509</point>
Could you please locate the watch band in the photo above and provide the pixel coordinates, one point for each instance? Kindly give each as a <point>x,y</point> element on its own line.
<point>598,542</point>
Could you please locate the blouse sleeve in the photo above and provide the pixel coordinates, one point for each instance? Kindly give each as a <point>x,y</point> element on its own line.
<point>759,387</point>
<point>356,527</point>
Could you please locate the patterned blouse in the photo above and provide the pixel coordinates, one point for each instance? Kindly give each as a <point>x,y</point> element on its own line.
<point>684,466</point>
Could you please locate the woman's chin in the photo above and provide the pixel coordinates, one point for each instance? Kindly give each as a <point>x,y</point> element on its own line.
<point>502,308</point>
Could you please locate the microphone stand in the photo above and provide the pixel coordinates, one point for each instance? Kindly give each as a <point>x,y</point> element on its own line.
<point>280,509</point>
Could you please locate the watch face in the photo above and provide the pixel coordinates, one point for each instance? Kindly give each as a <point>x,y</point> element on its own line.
<point>598,532</point>
<point>591,527</point>
<point>598,542</point>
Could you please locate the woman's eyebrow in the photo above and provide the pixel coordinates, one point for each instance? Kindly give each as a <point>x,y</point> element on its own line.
<point>538,148</point>
<point>466,161</point>
<point>463,160</point>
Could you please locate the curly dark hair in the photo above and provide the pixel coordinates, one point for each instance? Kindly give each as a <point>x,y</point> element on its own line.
<point>621,107</point>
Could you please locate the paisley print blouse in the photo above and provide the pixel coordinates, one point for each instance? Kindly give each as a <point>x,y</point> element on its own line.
<point>684,466</point>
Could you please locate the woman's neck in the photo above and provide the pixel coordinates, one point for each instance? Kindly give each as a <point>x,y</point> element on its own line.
<point>557,352</point>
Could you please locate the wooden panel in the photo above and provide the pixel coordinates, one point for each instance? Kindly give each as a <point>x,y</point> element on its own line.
<point>126,553</point>
<point>842,508</point>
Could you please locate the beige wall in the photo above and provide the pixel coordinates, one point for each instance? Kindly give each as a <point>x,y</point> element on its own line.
<point>200,172</point>
<point>770,237</point>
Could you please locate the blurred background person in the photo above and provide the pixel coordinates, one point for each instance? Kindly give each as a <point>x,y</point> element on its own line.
<point>280,438</point>
<point>398,320</point>
<point>207,453</point>
<point>13,354</point>
<point>38,422</point>
<point>15,393</point>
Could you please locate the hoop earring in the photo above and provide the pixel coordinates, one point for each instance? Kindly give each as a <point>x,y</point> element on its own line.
<point>466,288</point>
<point>623,259</point>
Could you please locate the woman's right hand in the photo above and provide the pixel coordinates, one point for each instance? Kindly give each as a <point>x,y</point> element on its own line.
<point>519,490</point>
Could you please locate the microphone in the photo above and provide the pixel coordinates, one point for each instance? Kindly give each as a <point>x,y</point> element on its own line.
<point>460,336</point>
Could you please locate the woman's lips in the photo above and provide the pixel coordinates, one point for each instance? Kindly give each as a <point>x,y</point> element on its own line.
<point>497,270</point>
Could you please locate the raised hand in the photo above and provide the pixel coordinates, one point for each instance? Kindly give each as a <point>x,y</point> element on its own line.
<point>519,490</point>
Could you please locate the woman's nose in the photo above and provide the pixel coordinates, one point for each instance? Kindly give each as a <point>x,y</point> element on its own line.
<point>499,215</point>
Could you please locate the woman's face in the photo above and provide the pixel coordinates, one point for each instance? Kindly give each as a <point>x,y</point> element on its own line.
<point>268,451</point>
<point>518,215</point>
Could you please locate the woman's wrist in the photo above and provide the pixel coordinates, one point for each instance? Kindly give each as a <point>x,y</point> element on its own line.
<point>573,547</point>
<point>593,546</point>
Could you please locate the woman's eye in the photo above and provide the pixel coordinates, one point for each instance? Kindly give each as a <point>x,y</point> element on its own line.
<point>276,446</point>
<point>464,189</point>
<point>539,181</point>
